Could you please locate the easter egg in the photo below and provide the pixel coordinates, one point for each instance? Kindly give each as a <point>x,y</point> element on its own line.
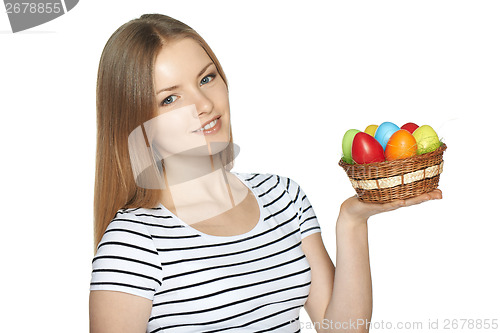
<point>365,149</point>
<point>384,132</point>
<point>401,145</point>
<point>347,145</point>
<point>410,127</point>
<point>427,139</point>
<point>370,129</point>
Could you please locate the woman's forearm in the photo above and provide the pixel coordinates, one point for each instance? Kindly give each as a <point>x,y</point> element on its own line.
<point>350,308</point>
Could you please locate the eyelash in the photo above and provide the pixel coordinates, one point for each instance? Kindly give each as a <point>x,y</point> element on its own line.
<point>209,75</point>
<point>212,76</point>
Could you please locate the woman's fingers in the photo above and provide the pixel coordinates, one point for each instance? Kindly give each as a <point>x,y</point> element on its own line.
<point>363,210</point>
<point>386,207</point>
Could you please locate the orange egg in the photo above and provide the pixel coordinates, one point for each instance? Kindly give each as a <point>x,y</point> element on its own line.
<point>401,145</point>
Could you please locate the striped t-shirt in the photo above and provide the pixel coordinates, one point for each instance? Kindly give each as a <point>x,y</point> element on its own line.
<point>253,282</point>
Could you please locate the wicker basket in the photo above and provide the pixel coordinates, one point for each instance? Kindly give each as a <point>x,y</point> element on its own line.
<point>399,179</point>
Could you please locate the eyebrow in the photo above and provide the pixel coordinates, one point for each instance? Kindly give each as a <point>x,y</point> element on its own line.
<point>177,86</point>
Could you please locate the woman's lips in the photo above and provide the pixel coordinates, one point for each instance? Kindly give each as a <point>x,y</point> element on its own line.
<point>212,130</point>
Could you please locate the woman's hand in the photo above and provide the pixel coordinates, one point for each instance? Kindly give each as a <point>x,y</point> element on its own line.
<point>354,209</point>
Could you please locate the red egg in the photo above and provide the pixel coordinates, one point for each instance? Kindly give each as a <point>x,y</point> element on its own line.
<point>365,149</point>
<point>400,145</point>
<point>410,127</point>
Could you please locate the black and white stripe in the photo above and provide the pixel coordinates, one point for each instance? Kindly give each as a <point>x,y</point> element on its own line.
<point>255,282</point>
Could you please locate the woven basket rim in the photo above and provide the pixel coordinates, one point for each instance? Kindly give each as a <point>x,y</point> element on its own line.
<point>438,151</point>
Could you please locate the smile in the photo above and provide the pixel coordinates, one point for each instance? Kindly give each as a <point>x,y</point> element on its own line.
<point>210,128</point>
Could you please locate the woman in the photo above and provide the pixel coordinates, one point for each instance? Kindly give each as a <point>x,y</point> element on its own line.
<point>182,243</point>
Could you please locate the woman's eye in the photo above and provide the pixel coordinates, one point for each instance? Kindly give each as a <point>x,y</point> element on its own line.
<point>207,79</point>
<point>169,100</point>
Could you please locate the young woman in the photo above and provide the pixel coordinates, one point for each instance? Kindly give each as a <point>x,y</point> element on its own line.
<point>182,243</point>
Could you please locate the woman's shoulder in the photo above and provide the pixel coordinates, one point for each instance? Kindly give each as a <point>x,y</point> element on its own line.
<point>127,258</point>
<point>140,220</point>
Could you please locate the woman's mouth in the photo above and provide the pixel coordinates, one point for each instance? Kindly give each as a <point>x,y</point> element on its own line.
<point>210,128</point>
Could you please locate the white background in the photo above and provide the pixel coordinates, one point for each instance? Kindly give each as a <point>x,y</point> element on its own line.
<point>300,74</point>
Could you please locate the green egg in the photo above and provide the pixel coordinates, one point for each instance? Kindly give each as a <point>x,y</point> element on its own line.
<point>427,139</point>
<point>347,145</point>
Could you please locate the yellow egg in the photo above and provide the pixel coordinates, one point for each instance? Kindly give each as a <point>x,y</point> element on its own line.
<point>371,129</point>
<point>427,139</point>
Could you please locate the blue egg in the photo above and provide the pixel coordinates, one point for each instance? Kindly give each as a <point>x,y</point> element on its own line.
<point>384,132</point>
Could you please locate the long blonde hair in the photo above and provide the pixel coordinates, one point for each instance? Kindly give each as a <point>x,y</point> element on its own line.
<point>125,100</point>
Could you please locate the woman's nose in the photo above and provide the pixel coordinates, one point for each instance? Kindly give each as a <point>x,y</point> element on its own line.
<point>203,104</point>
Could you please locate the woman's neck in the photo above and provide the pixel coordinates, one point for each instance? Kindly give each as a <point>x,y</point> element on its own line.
<point>199,187</point>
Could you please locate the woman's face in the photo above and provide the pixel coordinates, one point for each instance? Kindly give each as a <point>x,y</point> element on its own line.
<point>192,102</point>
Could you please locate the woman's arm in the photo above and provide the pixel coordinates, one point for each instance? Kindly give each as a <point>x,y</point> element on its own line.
<point>118,312</point>
<point>344,304</point>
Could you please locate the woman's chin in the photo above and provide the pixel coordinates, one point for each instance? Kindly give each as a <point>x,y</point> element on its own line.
<point>211,148</point>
